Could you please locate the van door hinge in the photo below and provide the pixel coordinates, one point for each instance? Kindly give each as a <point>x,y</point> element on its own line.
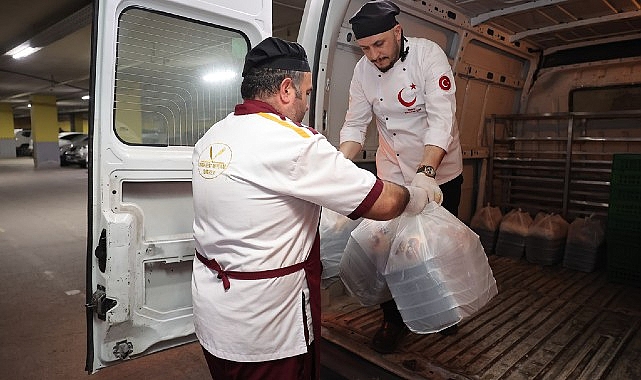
<point>122,349</point>
<point>100,304</point>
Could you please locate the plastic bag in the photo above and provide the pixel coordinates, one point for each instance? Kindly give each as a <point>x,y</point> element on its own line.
<point>485,223</point>
<point>487,218</point>
<point>334,230</point>
<point>512,233</point>
<point>545,242</point>
<point>437,270</point>
<point>586,232</point>
<point>584,244</point>
<point>364,260</point>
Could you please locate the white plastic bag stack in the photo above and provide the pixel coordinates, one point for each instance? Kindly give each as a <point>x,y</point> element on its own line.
<point>485,223</point>
<point>437,270</point>
<point>512,233</point>
<point>545,241</point>
<point>364,260</point>
<point>584,244</point>
<point>334,230</point>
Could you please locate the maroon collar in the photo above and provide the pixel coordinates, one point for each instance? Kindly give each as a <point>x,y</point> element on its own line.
<point>250,106</point>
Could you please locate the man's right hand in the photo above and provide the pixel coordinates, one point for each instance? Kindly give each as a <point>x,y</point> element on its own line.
<point>418,200</point>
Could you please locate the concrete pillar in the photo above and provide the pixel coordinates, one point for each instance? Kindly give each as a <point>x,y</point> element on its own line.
<point>80,124</point>
<point>7,137</point>
<point>44,131</point>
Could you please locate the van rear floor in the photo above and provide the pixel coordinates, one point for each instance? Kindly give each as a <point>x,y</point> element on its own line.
<point>547,322</point>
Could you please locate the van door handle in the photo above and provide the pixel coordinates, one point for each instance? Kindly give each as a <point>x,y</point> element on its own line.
<point>324,120</point>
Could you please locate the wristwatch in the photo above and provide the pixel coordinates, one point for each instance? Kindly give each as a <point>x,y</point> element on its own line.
<point>427,170</point>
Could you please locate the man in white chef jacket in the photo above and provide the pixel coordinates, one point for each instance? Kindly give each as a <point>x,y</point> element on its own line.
<point>259,181</point>
<point>408,86</point>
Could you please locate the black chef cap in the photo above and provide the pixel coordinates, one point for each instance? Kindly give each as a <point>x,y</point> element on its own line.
<point>374,17</point>
<point>272,52</point>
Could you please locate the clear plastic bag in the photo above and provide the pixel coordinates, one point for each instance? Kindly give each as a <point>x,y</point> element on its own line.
<point>545,242</point>
<point>512,233</point>
<point>334,230</point>
<point>437,270</point>
<point>485,223</point>
<point>364,260</point>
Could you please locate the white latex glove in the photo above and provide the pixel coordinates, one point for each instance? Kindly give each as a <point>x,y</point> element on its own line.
<point>434,193</point>
<point>418,200</point>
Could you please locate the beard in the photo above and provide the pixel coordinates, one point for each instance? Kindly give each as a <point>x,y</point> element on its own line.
<point>386,63</point>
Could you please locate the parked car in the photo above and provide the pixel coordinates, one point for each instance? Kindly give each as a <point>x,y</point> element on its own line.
<point>66,141</point>
<point>24,145</point>
<point>77,153</point>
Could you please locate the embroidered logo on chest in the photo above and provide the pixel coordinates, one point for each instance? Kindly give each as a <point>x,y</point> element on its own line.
<point>404,102</point>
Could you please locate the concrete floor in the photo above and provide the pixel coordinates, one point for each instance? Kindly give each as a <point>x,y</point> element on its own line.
<point>42,283</point>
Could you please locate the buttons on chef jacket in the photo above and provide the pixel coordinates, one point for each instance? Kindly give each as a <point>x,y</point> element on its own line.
<point>381,99</point>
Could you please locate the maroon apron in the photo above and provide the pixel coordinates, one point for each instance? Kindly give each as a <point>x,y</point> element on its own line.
<point>312,267</point>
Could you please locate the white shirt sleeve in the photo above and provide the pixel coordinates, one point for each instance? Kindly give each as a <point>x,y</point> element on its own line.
<point>440,98</point>
<point>359,112</point>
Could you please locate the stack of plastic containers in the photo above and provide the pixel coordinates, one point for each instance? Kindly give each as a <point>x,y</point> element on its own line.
<point>545,242</point>
<point>437,271</point>
<point>512,233</point>
<point>485,223</point>
<point>364,260</point>
<point>583,247</point>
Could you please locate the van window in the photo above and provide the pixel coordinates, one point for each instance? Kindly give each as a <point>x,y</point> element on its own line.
<point>605,99</point>
<point>175,77</point>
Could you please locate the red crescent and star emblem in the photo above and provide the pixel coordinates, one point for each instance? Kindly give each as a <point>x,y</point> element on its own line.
<point>444,83</point>
<point>402,101</point>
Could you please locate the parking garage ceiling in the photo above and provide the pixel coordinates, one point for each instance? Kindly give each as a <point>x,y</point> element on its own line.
<point>62,28</point>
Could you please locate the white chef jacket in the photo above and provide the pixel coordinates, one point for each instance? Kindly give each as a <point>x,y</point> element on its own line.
<point>415,105</point>
<point>258,183</point>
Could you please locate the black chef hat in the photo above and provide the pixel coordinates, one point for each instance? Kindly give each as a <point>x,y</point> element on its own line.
<point>374,17</point>
<point>272,52</point>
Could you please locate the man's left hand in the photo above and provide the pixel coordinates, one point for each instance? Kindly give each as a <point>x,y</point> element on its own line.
<point>429,184</point>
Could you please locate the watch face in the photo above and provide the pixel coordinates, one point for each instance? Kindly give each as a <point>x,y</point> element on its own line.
<point>427,170</point>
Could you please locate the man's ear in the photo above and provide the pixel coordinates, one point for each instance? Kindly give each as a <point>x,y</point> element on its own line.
<point>398,29</point>
<point>287,91</point>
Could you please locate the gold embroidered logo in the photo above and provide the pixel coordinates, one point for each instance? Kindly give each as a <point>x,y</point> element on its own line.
<point>213,161</point>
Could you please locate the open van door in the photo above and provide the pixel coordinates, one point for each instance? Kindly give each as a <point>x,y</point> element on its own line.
<point>162,73</point>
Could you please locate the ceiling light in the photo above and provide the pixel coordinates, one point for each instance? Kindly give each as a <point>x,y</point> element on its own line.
<point>22,51</point>
<point>29,105</point>
<point>86,97</point>
<point>220,76</point>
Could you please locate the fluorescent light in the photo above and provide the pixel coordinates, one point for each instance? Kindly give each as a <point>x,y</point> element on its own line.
<point>22,51</point>
<point>29,105</point>
<point>86,97</point>
<point>220,76</point>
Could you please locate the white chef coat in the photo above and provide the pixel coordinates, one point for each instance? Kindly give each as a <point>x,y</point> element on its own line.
<point>415,105</point>
<point>258,183</point>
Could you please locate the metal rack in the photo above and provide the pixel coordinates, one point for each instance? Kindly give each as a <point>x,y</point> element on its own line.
<point>557,162</point>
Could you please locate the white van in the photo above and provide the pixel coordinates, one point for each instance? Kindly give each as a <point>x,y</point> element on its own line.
<point>542,110</point>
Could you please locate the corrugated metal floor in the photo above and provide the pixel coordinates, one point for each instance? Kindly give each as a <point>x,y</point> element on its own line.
<point>545,323</point>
